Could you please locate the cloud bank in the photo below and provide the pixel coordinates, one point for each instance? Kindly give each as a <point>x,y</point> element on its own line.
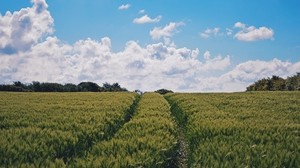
<point>37,55</point>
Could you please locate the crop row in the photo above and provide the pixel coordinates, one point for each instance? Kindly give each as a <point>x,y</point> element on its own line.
<point>147,140</point>
<point>240,129</point>
<point>41,129</point>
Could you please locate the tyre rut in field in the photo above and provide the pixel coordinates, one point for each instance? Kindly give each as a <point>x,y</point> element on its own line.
<point>113,130</point>
<point>129,114</point>
<point>181,120</point>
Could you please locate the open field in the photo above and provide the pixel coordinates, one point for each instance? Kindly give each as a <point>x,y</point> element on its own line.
<point>128,130</point>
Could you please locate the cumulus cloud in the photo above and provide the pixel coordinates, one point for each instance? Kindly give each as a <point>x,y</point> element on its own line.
<point>245,74</point>
<point>167,31</point>
<point>22,29</point>
<point>146,19</point>
<point>136,67</point>
<point>252,33</point>
<point>210,32</point>
<point>253,70</point>
<point>124,7</point>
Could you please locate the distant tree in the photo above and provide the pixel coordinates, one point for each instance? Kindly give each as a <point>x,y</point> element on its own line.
<point>261,85</point>
<point>89,87</point>
<point>70,87</point>
<point>276,83</point>
<point>51,87</point>
<point>11,88</point>
<point>115,87</point>
<point>36,86</point>
<point>138,92</point>
<point>164,91</point>
<point>19,84</point>
<point>56,87</point>
<point>293,82</point>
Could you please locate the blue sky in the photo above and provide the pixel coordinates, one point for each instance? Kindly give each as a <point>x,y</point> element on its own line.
<point>242,31</point>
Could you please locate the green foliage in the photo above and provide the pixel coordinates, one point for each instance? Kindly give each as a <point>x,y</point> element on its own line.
<point>163,91</point>
<point>89,87</point>
<point>276,83</point>
<point>293,83</point>
<point>240,129</point>
<point>44,129</point>
<point>112,88</point>
<point>56,87</point>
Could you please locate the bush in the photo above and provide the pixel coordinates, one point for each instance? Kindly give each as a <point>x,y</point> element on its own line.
<point>164,91</point>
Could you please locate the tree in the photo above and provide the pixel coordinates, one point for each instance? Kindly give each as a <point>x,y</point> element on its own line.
<point>56,87</point>
<point>138,92</point>
<point>19,84</point>
<point>51,87</point>
<point>164,91</point>
<point>115,87</point>
<point>36,86</point>
<point>70,87</point>
<point>89,87</point>
<point>11,88</point>
<point>293,83</point>
<point>276,83</point>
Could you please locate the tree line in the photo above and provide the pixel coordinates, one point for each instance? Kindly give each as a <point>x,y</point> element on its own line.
<point>56,87</point>
<point>276,83</point>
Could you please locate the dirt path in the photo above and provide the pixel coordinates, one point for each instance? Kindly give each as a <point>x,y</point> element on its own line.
<point>180,120</point>
<point>182,150</point>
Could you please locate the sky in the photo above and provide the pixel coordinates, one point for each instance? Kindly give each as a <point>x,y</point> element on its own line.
<point>185,46</point>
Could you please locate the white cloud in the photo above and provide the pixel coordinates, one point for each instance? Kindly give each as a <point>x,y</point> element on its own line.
<point>124,7</point>
<point>204,35</point>
<point>167,31</point>
<point>146,19</point>
<point>245,74</point>
<point>209,32</point>
<point>228,32</point>
<point>21,29</point>
<point>252,33</point>
<point>147,68</point>
<point>142,11</point>
<point>159,65</point>
<point>240,25</point>
<point>253,70</point>
<point>207,55</point>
